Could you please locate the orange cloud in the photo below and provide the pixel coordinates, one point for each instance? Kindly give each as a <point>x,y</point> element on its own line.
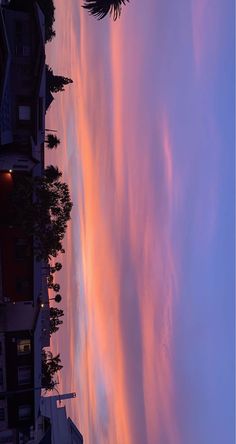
<point>119,282</point>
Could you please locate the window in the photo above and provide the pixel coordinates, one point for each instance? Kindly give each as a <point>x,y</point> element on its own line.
<point>18,28</point>
<point>2,414</point>
<point>19,167</point>
<point>6,437</point>
<point>26,50</point>
<point>24,112</point>
<point>22,38</point>
<point>23,50</point>
<point>24,412</point>
<point>25,70</point>
<point>25,436</point>
<point>24,375</point>
<point>23,346</point>
<point>22,249</point>
<point>1,376</point>
<point>0,348</point>
<point>22,286</point>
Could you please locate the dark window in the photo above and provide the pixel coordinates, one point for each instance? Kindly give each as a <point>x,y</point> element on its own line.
<point>19,167</point>
<point>0,348</point>
<point>22,285</point>
<point>24,412</point>
<point>25,70</point>
<point>1,376</point>
<point>22,142</point>
<point>22,249</point>
<point>18,27</point>
<point>22,48</point>
<point>24,112</point>
<point>24,375</point>
<point>25,436</point>
<point>2,414</point>
<point>7,439</point>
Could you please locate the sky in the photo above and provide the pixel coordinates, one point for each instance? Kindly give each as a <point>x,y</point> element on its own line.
<point>147,148</point>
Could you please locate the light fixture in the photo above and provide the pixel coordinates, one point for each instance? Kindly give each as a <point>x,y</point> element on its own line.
<point>10,171</point>
<point>42,305</point>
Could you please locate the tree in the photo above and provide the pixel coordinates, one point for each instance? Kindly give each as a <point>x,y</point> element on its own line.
<point>56,267</point>
<point>48,9</point>
<point>56,83</point>
<point>100,8</point>
<point>52,173</point>
<point>52,141</point>
<point>55,314</point>
<point>50,366</point>
<point>56,287</point>
<point>57,298</point>
<point>42,207</point>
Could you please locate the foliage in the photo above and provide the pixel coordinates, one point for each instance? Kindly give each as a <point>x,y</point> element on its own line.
<point>50,366</point>
<point>56,267</point>
<point>100,8</point>
<point>57,298</point>
<point>51,285</point>
<point>52,141</point>
<point>48,9</point>
<point>56,83</point>
<point>42,207</point>
<point>55,314</point>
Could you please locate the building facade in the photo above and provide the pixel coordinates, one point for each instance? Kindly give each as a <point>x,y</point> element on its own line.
<point>24,324</point>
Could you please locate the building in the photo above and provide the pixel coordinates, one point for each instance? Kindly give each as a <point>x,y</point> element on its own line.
<point>20,371</point>
<point>60,428</point>
<point>24,323</point>
<point>25,416</point>
<point>23,86</point>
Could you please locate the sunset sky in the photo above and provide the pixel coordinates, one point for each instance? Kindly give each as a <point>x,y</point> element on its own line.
<point>147,147</point>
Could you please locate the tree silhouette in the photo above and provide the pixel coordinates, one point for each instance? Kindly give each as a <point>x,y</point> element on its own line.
<point>42,207</point>
<point>55,314</point>
<point>52,141</point>
<point>56,83</point>
<point>51,285</point>
<point>48,9</point>
<point>100,8</point>
<point>50,366</point>
<point>57,298</point>
<point>57,267</point>
<point>52,173</point>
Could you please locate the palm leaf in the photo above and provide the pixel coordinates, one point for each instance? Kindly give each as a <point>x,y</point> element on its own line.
<point>100,8</point>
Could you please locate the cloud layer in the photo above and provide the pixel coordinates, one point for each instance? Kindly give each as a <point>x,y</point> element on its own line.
<point>142,147</point>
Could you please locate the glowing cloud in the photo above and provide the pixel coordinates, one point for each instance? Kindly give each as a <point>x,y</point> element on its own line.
<point>121,277</point>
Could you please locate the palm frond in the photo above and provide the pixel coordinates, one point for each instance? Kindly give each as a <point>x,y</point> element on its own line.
<point>100,8</point>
